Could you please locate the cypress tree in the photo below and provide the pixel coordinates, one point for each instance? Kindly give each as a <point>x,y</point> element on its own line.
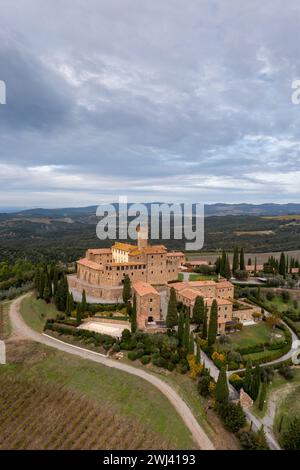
<point>255,266</point>
<point>282,265</point>
<point>222,391</point>
<point>83,302</point>
<point>223,264</point>
<point>204,326</point>
<point>42,285</point>
<point>213,324</point>
<point>198,310</point>
<point>255,383</point>
<point>37,279</point>
<point>262,395</point>
<point>180,330</point>
<point>47,294</point>
<point>126,289</point>
<point>133,316</point>
<point>129,309</point>
<point>71,300</point>
<point>242,260</point>
<point>186,335</point>
<point>78,313</point>
<point>68,307</point>
<point>172,314</point>
<point>248,378</point>
<point>227,269</point>
<point>235,262</point>
<point>191,344</point>
<point>55,281</point>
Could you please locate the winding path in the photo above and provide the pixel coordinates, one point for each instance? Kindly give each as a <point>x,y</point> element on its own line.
<point>21,329</point>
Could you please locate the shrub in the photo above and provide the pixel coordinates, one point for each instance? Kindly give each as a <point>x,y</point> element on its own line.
<point>132,355</point>
<point>139,353</point>
<point>234,356</point>
<point>175,358</point>
<point>183,366</point>
<point>233,416</point>
<point>145,359</point>
<point>286,371</point>
<point>252,440</point>
<point>203,385</point>
<point>126,335</point>
<point>291,437</point>
<point>116,347</point>
<point>159,361</point>
<point>236,381</point>
<point>170,366</point>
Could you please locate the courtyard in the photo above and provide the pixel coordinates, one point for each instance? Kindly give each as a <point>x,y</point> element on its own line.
<point>112,329</point>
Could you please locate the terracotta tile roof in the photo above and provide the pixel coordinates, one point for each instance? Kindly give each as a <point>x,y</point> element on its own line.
<point>124,246</point>
<point>90,264</point>
<point>190,294</point>
<point>144,288</point>
<point>155,249</point>
<point>201,283</point>
<point>99,251</point>
<point>178,286</point>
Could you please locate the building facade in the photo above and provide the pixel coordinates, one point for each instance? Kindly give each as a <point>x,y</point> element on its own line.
<point>222,292</point>
<point>101,272</point>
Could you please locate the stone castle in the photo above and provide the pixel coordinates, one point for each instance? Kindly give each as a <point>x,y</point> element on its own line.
<point>102,271</point>
<point>150,268</point>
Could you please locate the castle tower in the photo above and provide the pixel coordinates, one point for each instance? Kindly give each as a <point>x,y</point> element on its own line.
<point>142,237</point>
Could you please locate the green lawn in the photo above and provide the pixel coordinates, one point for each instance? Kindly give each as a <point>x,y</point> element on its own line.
<point>280,305</point>
<point>287,408</point>
<point>277,384</point>
<point>253,334</point>
<point>129,395</point>
<point>35,312</point>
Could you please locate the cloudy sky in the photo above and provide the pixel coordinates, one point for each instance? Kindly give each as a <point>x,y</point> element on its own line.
<point>168,100</point>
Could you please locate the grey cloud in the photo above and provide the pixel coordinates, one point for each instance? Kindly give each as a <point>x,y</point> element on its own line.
<point>137,92</point>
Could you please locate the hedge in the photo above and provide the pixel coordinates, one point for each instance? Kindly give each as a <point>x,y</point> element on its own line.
<point>98,338</point>
<point>292,325</point>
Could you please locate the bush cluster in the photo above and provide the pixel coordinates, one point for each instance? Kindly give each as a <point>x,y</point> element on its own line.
<point>97,339</point>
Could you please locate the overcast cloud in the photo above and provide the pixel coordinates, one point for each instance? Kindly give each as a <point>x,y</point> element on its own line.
<point>157,100</point>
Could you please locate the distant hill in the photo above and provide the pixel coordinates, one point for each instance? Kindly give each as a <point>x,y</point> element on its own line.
<point>64,234</point>
<point>218,209</point>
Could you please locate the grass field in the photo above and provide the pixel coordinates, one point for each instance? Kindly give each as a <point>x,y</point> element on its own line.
<point>287,408</point>
<point>278,386</point>
<point>253,334</point>
<point>54,400</point>
<point>280,305</point>
<point>35,312</point>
